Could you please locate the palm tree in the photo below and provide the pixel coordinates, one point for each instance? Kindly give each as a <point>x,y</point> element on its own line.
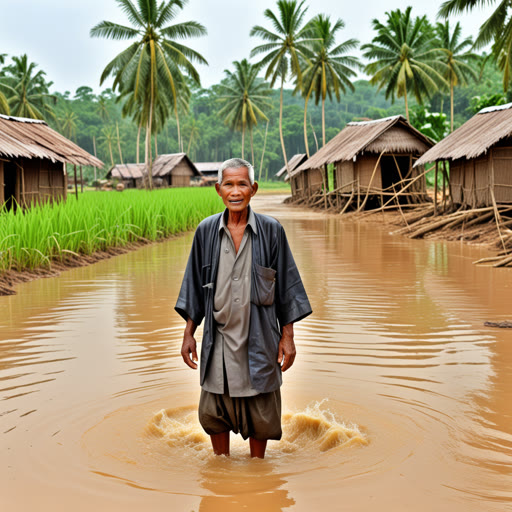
<point>29,89</point>
<point>102,109</point>
<point>456,58</point>
<point>405,57</point>
<point>244,98</point>
<point>108,138</point>
<point>4,105</point>
<point>283,48</point>
<point>68,124</point>
<point>151,67</point>
<point>329,69</point>
<point>497,29</point>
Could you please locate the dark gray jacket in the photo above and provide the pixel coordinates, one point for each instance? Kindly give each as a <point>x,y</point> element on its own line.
<point>277,295</point>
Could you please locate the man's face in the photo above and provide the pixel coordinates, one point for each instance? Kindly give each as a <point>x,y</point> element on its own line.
<point>236,189</point>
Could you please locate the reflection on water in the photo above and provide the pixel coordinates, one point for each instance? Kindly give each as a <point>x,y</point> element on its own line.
<point>93,391</point>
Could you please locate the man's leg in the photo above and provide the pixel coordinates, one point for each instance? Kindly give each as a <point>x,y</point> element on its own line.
<point>257,447</point>
<point>220,443</point>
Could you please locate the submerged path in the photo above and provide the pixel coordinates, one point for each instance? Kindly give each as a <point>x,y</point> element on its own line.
<point>399,398</point>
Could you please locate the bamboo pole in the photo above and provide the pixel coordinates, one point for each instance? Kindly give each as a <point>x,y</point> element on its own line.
<point>371,179</point>
<point>76,184</point>
<point>81,181</point>
<point>435,189</point>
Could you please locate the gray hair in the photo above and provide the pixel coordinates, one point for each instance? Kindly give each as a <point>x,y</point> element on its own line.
<point>236,163</point>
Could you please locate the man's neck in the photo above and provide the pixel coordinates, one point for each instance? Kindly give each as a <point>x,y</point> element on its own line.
<point>238,219</point>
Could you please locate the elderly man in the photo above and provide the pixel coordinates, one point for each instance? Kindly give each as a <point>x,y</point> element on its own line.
<point>242,279</point>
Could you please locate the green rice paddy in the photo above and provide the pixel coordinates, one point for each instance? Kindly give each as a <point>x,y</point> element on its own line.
<point>98,221</point>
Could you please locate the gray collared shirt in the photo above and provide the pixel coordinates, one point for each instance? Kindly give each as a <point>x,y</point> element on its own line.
<point>232,311</point>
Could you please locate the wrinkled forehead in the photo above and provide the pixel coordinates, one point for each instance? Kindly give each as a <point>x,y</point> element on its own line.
<point>238,173</point>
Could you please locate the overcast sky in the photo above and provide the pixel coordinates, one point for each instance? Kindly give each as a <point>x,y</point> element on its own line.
<point>55,33</point>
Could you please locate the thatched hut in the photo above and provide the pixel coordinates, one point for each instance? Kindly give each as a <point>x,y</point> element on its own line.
<point>293,163</point>
<point>480,158</point>
<point>209,170</point>
<point>33,161</point>
<point>176,169</point>
<point>129,174</point>
<point>373,159</point>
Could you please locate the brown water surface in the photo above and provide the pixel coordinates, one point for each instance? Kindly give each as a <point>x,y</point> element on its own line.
<point>400,398</point>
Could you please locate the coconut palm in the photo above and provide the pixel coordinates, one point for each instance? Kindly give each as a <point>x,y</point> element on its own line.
<point>108,138</point>
<point>153,65</point>
<point>405,57</point>
<point>329,69</point>
<point>497,29</point>
<point>283,48</point>
<point>67,124</point>
<point>456,57</point>
<point>244,98</point>
<point>30,95</point>
<point>4,105</point>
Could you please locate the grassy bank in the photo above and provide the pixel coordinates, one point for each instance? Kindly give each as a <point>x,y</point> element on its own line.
<point>99,221</point>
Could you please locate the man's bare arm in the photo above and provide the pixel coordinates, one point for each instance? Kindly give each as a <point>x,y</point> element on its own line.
<point>188,348</point>
<point>286,348</point>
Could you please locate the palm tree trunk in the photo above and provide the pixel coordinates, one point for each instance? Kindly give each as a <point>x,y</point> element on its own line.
<point>119,143</point>
<point>156,145</point>
<point>281,126</point>
<point>94,146</point>
<point>305,125</point>
<point>323,121</point>
<point>111,154</point>
<point>263,152</point>
<point>252,148</point>
<point>406,104</point>
<point>180,142</point>
<point>138,142</point>
<point>243,140</point>
<point>451,107</point>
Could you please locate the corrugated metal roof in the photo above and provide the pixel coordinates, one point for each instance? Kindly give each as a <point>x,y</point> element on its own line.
<point>474,137</point>
<point>358,137</point>
<point>33,138</point>
<point>294,162</point>
<point>164,164</point>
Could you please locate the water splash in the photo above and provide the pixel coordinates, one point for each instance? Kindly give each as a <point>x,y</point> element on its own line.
<point>314,428</point>
<point>318,427</point>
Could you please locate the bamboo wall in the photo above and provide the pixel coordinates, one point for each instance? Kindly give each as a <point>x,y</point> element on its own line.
<point>472,180</point>
<point>37,180</point>
<point>180,175</point>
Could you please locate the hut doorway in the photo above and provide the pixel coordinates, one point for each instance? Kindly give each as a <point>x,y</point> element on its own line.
<point>393,169</point>
<point>10,173</point>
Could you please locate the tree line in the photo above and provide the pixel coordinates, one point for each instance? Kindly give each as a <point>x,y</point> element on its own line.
<point>415,67</point>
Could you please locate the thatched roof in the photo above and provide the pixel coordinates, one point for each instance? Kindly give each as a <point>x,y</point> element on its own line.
<point>127,171</point>
<point>32,138</point>
<point>293,163</point>
<point>164,164</point>
<point>388,134</point>
<point>474,137</point>
<point>208,167</point>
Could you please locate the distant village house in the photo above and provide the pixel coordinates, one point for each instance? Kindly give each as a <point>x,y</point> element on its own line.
<point>33,161</point>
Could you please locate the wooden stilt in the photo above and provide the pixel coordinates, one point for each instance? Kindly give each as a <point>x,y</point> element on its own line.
<point>76,184</point>
<point>435,188</point>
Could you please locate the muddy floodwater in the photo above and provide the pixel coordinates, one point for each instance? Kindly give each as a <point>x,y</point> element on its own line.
<point>400,397</point>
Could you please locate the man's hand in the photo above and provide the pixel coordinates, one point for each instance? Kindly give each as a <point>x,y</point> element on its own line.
<point>286,348</point>
<point>188,348</point>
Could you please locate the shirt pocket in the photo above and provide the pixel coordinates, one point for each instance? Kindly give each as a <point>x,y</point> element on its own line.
<point>263,285</point>
<point>206,272</point>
